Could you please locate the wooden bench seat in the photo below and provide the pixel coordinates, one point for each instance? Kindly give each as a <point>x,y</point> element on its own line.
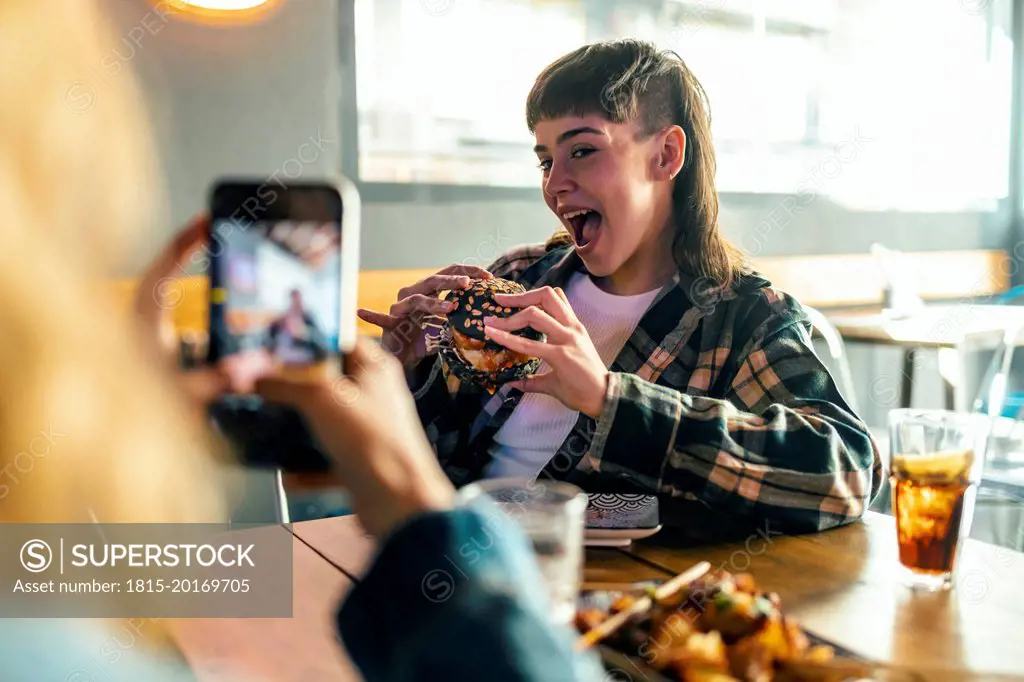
<point>822,281</point>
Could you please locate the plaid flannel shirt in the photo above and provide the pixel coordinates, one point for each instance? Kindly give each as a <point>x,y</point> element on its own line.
<point>717,404</point>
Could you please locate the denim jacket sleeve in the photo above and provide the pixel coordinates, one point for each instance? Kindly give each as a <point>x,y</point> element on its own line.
<point>458,596</point>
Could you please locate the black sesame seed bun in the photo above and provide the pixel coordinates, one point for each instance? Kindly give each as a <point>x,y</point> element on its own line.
<point>474,304</point>
<point>477,302</point>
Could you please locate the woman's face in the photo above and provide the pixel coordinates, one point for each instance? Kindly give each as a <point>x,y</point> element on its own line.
<point>610,189</point>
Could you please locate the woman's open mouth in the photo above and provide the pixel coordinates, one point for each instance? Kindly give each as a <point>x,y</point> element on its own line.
<point>585,224</point>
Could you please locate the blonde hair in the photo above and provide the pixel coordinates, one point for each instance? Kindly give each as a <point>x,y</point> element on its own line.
<point>91,426</point>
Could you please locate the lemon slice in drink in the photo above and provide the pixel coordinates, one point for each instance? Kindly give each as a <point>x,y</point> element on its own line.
<point>944,464</point>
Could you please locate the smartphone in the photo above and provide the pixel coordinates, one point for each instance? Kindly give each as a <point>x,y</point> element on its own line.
<point>283,268</point>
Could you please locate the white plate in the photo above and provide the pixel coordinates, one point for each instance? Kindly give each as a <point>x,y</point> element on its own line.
<point>616,537</point>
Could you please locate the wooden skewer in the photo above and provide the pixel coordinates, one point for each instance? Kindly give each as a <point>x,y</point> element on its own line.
<point>592,637</point>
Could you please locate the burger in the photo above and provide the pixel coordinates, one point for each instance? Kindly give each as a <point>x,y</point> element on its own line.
<point>466,351</point>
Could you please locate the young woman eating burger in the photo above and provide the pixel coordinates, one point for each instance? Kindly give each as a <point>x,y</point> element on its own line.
<point>668,366</point>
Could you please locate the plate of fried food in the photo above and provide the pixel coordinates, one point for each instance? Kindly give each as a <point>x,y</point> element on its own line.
<point>710,626</point>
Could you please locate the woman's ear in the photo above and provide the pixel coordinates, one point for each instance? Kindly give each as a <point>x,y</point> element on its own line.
<point>670,153</point>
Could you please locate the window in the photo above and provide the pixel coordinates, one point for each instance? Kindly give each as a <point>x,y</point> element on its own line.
<point>878,104</point>
<point>441,97</point>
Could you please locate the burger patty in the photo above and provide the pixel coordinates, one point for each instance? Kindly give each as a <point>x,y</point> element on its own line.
<point>486,356</point>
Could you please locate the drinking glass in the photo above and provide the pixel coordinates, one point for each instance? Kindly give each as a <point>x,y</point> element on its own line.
<point>552,516</point>
<point>937,457</point>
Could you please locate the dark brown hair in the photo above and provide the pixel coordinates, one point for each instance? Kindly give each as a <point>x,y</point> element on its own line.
<point>633,80</point>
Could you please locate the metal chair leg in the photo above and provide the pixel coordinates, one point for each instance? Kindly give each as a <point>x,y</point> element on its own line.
<point>283,515</point>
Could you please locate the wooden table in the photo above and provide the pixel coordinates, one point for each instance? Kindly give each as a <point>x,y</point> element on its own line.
<point>952,330</point>
<point>302,648</point>
<point>842,585</point>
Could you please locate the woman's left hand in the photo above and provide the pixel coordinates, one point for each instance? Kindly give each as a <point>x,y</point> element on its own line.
<point>160,289</point>
<point>578,377</point>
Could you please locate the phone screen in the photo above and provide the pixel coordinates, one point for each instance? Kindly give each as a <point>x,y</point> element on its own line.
<point>278,294</point>
<point>276,280</point>
<point>280,279</point>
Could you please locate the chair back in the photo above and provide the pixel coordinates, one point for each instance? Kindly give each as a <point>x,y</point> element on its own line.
<point>837,353</point>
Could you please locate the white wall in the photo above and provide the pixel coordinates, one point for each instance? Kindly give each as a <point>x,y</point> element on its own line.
<point>230,100</point>
<point>238,100</point>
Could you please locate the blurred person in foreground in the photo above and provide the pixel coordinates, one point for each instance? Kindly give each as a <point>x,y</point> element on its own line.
<point>128,442</point>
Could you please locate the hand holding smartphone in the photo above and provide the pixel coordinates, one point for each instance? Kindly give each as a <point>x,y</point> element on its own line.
<point>283,272</point>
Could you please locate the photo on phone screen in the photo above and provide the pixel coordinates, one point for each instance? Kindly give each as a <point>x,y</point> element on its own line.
<point>279,297</point>
<point>283,275</point>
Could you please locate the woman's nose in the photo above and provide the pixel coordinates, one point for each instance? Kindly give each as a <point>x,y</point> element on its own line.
<point>558,181</point>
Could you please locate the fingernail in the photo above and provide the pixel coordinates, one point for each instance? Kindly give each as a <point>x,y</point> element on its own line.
<point>489,319</point>
<point>451,305</point>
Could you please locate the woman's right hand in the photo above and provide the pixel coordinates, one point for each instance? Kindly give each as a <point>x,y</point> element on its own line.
<point>404,334</point>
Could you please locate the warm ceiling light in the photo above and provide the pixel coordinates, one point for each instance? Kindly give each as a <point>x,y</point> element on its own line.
<point>224,5</point>
<point>236,11</point>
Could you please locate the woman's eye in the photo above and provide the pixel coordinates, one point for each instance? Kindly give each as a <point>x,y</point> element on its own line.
<point>582,152</point>
<point>544,165</point>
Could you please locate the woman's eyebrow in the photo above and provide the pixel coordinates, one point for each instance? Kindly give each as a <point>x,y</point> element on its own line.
<point>568,134</point>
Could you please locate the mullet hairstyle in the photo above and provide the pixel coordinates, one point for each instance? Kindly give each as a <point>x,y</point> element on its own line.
<point>633,80</point>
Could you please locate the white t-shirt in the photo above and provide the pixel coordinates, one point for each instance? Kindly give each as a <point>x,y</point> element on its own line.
<point>540,423</point>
